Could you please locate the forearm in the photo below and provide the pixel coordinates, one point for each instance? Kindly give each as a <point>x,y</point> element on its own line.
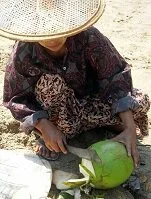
<point>27,112</point>
<point>128,135</point>
<point>40,125</point>
<point>127,119</point>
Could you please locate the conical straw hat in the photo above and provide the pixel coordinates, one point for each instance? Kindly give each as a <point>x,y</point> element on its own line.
<point>33,20</point>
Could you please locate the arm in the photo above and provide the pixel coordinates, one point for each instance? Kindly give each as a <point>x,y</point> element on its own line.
<point>54,139</point>
<point>20,79</point>
<point>115,86</point>
<point>112,73</point>
<point>128,136</point>
<point>18,95</point>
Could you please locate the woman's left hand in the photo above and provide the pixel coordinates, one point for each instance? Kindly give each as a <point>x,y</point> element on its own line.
<point>128,138</point>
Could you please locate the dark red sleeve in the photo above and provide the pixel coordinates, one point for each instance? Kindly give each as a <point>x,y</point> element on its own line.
<point>19,83</point>
<point>112,72</point>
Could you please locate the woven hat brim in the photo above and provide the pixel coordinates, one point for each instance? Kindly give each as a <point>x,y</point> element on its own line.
<point>9,33</point>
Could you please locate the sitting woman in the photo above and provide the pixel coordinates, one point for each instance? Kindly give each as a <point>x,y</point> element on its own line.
<point>70,83</point>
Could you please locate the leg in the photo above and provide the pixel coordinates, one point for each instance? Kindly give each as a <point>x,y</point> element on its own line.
<point>140,115</point>
<point>72,116</point>
<point>98,114</point>
<point>44,152</point>
<point>56,97</point>
<point>65,110</point>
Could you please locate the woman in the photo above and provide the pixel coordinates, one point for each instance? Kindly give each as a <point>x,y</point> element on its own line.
<point>65,85</point>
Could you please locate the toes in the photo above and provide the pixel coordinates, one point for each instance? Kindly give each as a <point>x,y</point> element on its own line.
<point>53,154</point>
<point>139,133</point>
<point>45,152</point>
<point>39,150</point>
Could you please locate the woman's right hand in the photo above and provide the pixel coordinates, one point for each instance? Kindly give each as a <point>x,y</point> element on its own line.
<point>54,139</point>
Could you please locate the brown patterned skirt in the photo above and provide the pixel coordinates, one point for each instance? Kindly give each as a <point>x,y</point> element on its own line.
<point>72,116</point>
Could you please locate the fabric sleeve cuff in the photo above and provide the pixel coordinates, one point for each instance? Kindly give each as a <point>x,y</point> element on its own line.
<point>29,122</point>
<point>124,104</point>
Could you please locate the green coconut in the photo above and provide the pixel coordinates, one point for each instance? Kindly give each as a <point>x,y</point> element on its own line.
<point>110,167</point>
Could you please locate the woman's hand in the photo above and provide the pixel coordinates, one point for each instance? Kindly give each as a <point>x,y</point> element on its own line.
<point>128,138</point>
<point>53,138</point>
<point>128,135</point>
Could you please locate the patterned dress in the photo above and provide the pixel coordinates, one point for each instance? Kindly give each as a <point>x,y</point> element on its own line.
<point>84,89</point>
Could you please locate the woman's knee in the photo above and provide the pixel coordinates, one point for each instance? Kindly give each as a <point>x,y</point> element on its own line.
<point>49,88</point>
<point>143,101</point>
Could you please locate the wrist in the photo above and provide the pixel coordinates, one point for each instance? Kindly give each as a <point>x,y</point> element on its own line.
<point>127,119</point>
<point>130,124</point>
<point>131,129</point>
<point>40,125</point>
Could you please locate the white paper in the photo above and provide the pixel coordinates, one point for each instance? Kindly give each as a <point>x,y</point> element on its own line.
<point>23,172</point>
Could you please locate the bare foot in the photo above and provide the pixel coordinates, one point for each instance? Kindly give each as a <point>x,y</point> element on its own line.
<point>139,134</point>
<point>44,152</point>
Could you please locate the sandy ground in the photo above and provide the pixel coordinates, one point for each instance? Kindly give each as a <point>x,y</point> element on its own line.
<point>127,24</point>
